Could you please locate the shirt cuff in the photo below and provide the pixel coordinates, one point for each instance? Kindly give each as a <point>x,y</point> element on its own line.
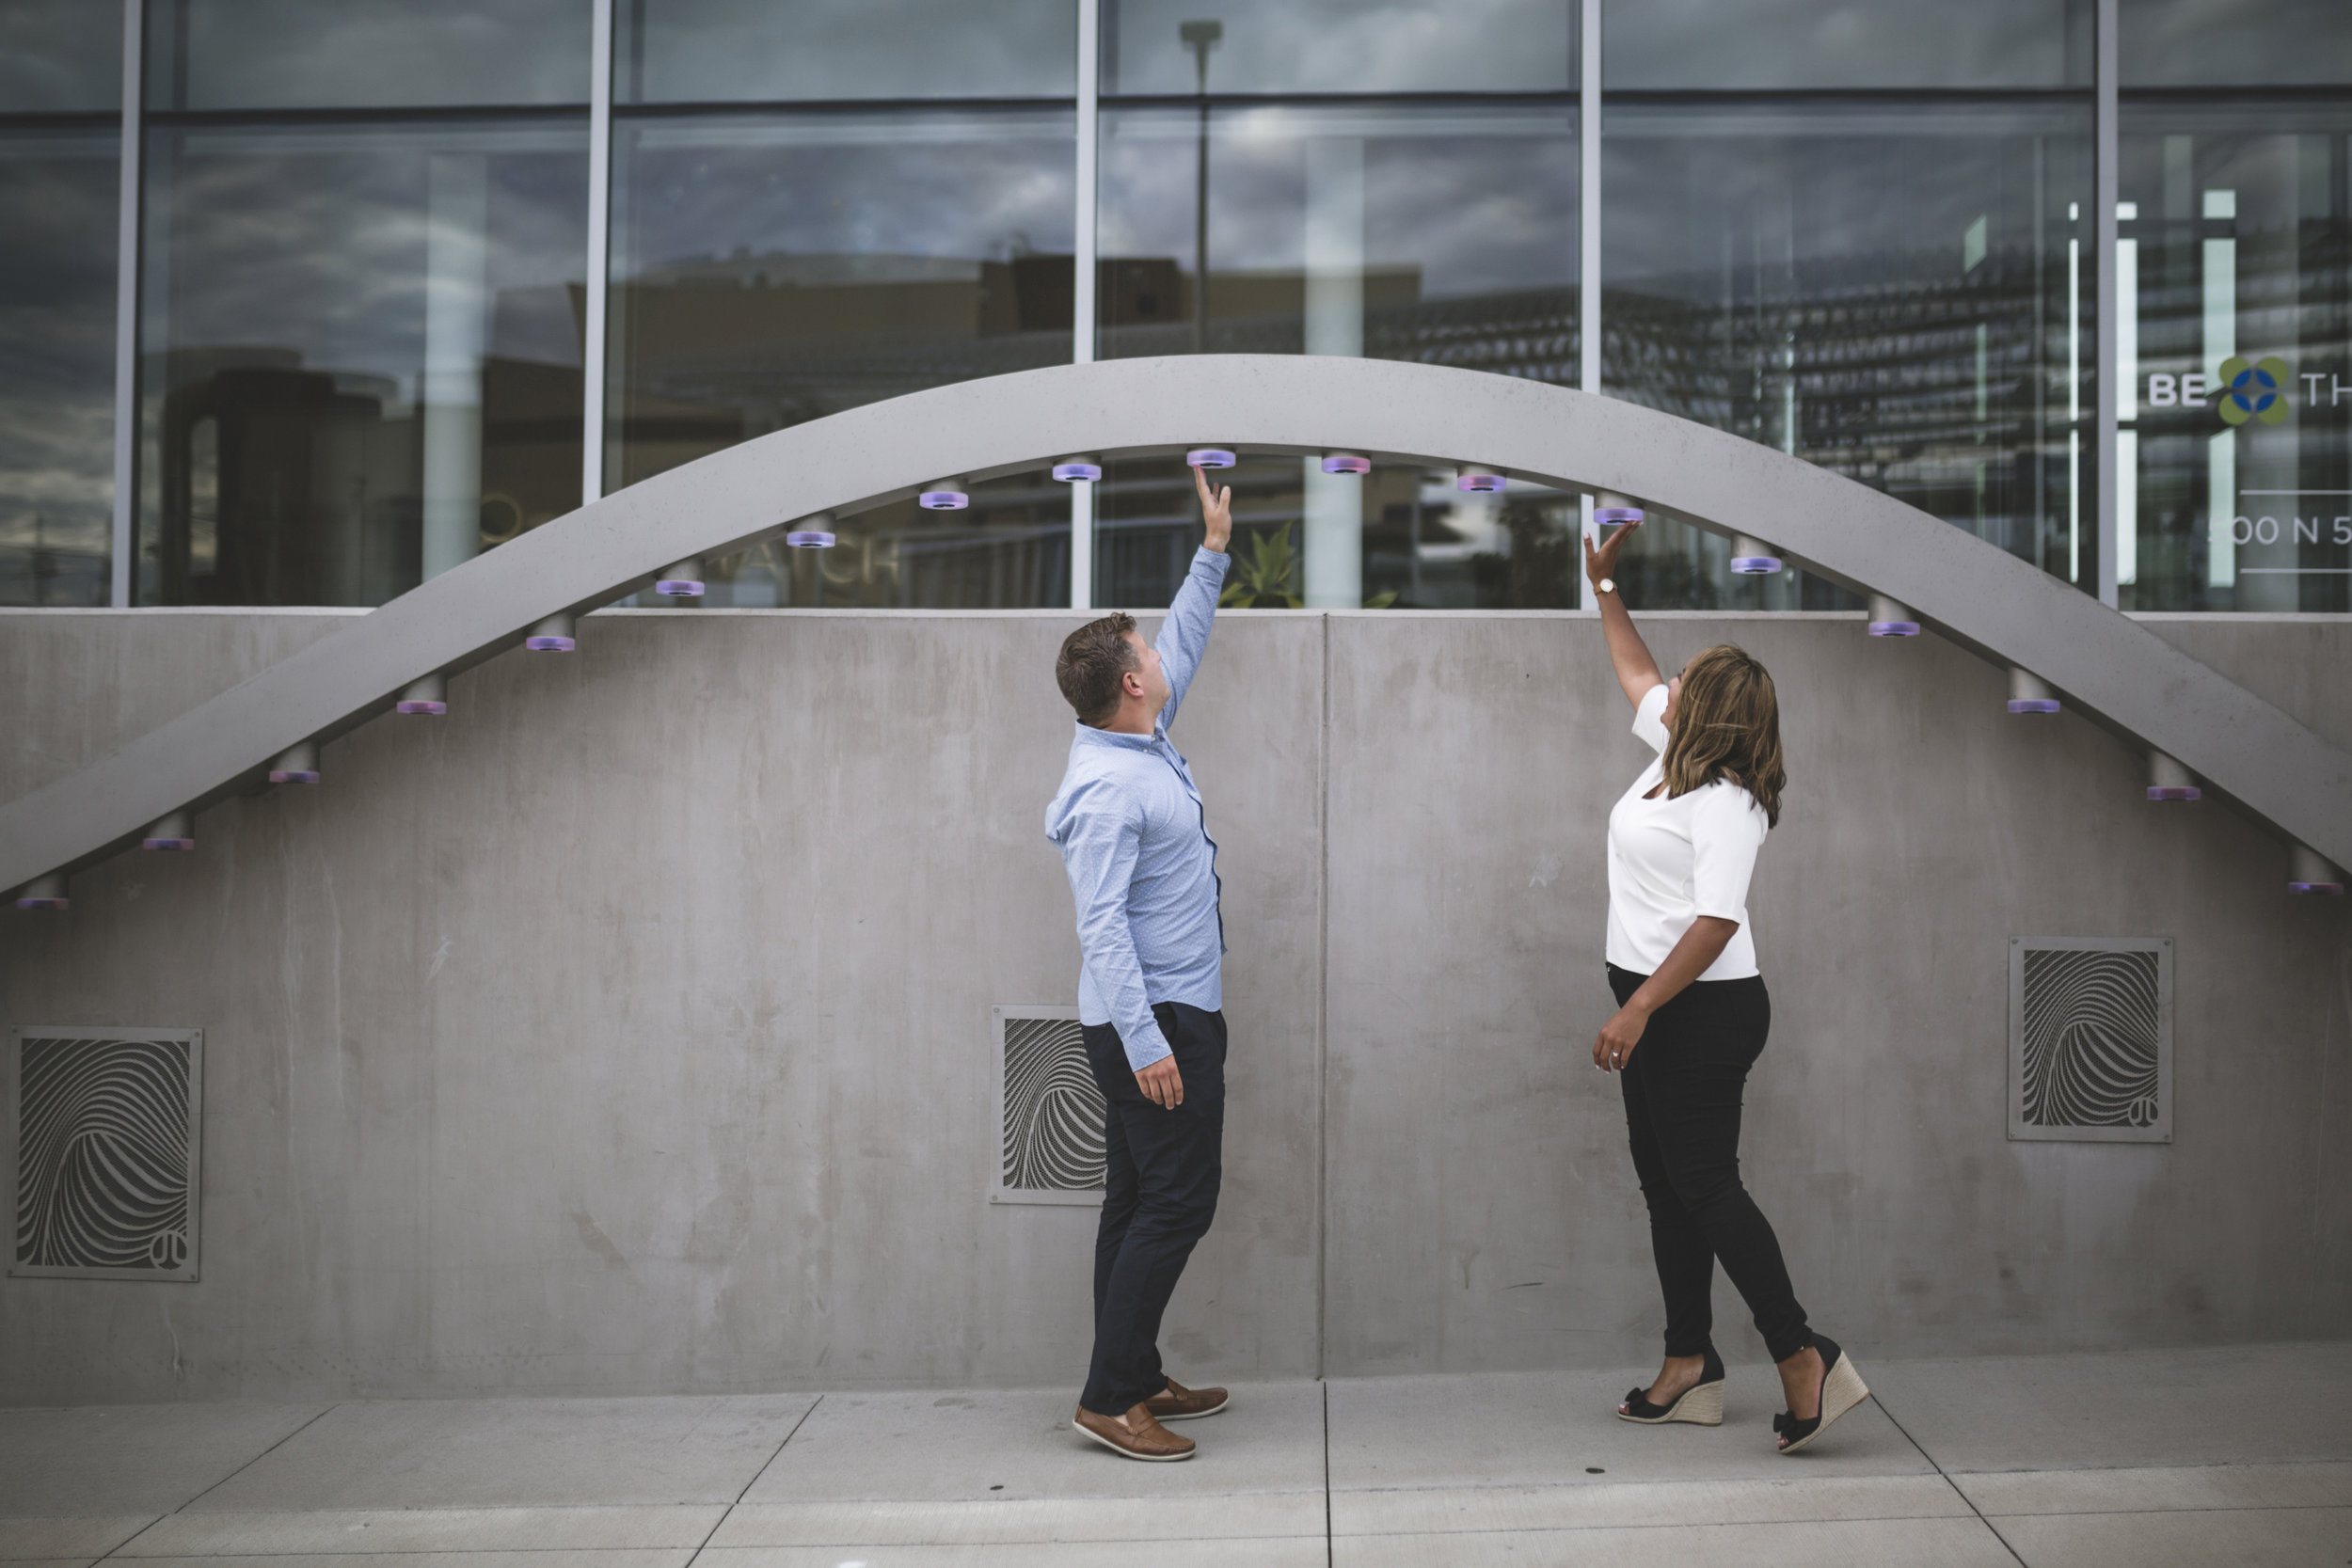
<point>1145,1048</point>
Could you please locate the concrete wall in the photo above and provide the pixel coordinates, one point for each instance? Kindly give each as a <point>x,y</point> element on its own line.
<point>628,1028</point>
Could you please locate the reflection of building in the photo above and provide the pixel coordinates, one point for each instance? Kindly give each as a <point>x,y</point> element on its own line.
<point>1950,394</point>
<point>281,483</point>
<point>727,348</point>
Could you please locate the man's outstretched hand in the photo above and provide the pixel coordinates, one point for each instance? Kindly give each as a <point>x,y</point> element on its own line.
<point>1216,509</point>
<point>1161,1084</point>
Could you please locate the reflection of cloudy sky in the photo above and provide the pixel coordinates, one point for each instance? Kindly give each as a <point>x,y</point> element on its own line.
<point>314,241</point>
<point>1345,46</point>
<point>56,338</point>
<point>1691,193</point>
<point>367,53</point>
<point>1478,201</point>
<point>716,51</point>
<point>61,54</point>
<point>962,186</point>
<point>1839,43</point>
<point>2207,42</point>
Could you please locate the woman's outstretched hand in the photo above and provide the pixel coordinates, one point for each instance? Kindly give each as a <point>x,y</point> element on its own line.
<point>1619,1036</point>
<point>1602,561</point>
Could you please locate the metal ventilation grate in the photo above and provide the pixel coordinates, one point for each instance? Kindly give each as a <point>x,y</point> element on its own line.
<point>2091,1038</point>
<point>107,1137</point>
<point>1051,1112</point>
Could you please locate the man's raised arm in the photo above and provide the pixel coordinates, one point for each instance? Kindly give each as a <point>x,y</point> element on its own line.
<point>1185,637</point>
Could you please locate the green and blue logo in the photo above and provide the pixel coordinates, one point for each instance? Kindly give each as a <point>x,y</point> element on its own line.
<point>2253,390</point>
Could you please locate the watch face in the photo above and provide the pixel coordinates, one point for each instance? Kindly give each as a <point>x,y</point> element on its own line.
<point>1607,585</point>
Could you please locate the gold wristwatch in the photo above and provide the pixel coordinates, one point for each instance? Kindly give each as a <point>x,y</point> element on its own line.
<point>1606,585</point>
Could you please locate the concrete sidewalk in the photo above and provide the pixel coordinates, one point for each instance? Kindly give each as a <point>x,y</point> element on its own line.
<point>2240,1455</point>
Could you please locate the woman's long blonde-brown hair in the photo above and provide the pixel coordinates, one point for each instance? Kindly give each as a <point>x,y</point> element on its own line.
<point>1727,726</point>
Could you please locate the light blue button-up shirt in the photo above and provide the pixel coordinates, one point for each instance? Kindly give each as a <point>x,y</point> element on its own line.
<point>1134,837</point>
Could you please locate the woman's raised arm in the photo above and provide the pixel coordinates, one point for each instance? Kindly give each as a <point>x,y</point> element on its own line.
<point>1636,670</point>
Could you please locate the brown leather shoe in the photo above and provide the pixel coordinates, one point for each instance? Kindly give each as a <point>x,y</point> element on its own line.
<point>1140,1438</point>
<point>1180,1404</point>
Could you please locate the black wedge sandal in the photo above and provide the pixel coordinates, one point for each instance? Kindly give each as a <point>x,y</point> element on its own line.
<point>1842,1389</point>
<point>1702,1403</point>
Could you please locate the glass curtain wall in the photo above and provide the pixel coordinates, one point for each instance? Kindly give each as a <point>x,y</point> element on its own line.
<point>823,204</point>
<point>1313,177</point>
<point>2235,282</point>
<point>60,135</point>
<point>365,237</point>
<point>1862,235</point>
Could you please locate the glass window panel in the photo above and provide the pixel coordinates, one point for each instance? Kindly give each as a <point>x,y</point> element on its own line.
<point>361,354</point>
<point>56,365</point>
<point>1009,549</point>
<point>1442,235</point>
<point>1780,44</point>
<point>1902,294</point>
<point>2253,43</point>
<point>772,269</point>
<point>782,51</point>
<point>1399,537</point>
<point>1339,46</point>
<point>365,54</point>
<point>2237,392</point>
<point>60,56</point>
<point>1439,235</point>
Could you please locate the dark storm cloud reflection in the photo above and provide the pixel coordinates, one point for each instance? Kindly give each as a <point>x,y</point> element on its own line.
<point>785,50</point>
<point>60,56</point>
<point>315,241</point>
<point>370,53</point>
<point>1281,47</point>
<point>867,193</point>
<point>2228,42</point>
<point>1781,44</point>
<point>57,340</point>
<point>1478,201</point>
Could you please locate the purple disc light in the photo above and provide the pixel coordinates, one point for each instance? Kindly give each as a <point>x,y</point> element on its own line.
<point>293,775</point>
<point>1479,484</point>
<point>1346,463</point>
<point>2175,792</point>
<point>1209,457</point>
<point>1605,515</point>
<point>420,704</point>
<point>1755,566</point>
<point>550,644</point>
<point>43,903</point>
<point>943,500</point>
<point>679,588</point>
<point>2033,704</point>
<point>2335,889</point>
<point>809,539</point>
<point>1894,628</point>
<point>166,844</point>
<point>1070,474</point>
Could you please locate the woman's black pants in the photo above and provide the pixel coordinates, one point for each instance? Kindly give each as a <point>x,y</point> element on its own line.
<point>1682,1086</point>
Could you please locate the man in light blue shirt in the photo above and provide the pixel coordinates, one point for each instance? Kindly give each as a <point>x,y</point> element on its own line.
<point>1133,838</point>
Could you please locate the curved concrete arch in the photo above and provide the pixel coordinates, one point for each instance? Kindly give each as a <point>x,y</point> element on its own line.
<point>2126,678</point>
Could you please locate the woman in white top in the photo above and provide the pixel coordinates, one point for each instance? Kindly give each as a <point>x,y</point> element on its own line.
<point>1692,1015</point>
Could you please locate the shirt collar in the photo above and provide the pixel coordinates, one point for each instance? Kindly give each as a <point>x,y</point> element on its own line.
<point>1089,735</point>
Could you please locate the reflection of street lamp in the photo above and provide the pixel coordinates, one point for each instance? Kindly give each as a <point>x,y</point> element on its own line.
<point>1201,37</point>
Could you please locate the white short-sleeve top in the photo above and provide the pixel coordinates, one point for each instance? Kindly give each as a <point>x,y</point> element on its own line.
<point>1671,860</point>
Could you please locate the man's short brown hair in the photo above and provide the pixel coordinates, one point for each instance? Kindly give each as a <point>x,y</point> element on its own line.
<point>1092,659</point>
